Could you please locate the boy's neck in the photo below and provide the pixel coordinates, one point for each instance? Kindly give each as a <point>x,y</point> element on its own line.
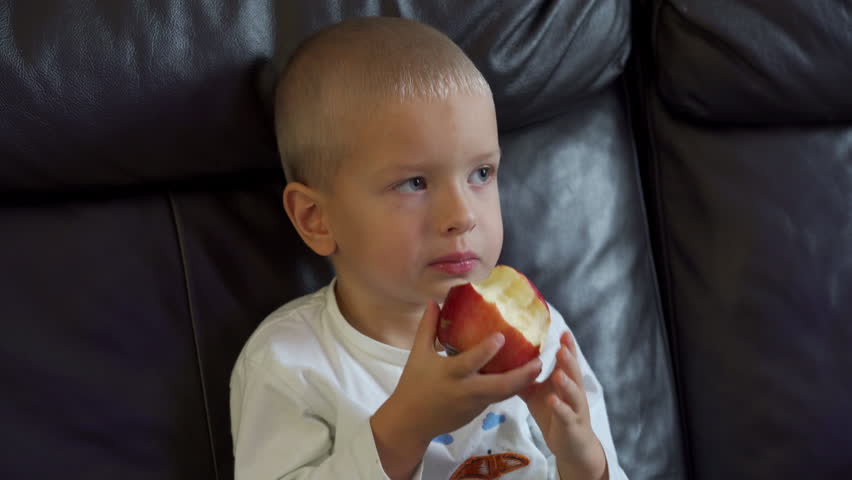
<point>393,324</point>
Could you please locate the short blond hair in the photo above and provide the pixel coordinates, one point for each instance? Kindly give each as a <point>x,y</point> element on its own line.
<point>345,72</point>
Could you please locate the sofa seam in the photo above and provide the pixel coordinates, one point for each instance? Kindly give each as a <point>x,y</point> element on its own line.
<point>193,324</point>
<point>664,236</point>
<point>649,260</point>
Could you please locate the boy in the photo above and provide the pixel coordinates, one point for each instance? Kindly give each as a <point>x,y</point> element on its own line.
<point>388,138</point>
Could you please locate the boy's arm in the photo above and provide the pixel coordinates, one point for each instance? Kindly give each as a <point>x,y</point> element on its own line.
<point>401,453</point>
<point>276,436</point>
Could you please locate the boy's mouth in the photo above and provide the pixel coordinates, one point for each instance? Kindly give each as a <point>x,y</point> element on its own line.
<point>456,263</point>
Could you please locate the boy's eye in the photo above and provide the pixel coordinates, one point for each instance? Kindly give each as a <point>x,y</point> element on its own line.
<point>414,184</point>
<point>481,175</point>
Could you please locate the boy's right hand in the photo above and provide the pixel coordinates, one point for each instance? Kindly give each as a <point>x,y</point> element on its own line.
<point>438,394</point>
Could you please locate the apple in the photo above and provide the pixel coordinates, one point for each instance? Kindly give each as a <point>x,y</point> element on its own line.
<point>506,302</point>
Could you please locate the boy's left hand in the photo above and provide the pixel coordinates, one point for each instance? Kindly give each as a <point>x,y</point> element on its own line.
<point>560,408</point>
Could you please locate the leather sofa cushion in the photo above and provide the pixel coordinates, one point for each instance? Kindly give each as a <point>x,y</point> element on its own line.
<point>758,61</point>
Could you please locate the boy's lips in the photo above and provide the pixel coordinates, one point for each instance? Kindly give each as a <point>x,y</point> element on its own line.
<point>457,263</point>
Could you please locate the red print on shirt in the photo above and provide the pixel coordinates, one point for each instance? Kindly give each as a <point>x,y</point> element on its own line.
<point>490,466</point>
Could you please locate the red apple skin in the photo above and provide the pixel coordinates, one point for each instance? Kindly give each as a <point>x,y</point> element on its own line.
<point>467,319</point>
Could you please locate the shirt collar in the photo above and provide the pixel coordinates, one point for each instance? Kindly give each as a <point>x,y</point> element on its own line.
<point>352,337</point>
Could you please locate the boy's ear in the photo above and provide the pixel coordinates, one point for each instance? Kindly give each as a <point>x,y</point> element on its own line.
<point>306,210</point>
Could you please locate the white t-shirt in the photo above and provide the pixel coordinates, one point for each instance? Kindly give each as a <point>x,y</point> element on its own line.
<point>306,384</point>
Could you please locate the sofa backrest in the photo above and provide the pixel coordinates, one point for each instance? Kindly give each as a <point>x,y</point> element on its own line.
<point>746,134</point>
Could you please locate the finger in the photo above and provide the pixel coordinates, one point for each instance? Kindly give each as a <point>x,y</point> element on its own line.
<point>424,339</point>
<point>569,363</point>
<point>567,340</point>
<point>569,392</point>
<point>474,359</point>
<point>533,389</point>
<point>500,386</point>
<point>561,410</point>
<point>535,396</point>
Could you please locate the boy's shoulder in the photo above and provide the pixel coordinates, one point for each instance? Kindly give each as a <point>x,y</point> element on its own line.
<point>290,325</point>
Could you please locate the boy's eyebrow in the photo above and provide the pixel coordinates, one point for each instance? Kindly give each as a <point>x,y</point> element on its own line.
<point>491,154</point>
<point>486,156</point>
<point>415,165</point>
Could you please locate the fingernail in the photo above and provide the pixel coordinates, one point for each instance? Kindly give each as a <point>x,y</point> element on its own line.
<point>499,339</point>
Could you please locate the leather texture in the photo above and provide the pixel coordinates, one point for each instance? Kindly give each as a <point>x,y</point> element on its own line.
<point>538,56</point>
<point>748,166</point>
<point>756,62</point>
<point>695,233</point>
<point>99,371</point>
<point>575,224</point>
<point>106,96</point>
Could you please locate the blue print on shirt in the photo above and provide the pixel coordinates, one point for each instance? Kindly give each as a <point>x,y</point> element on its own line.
<point>491,420</point>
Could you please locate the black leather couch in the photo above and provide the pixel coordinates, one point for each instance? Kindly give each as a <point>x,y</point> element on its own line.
<point>677,178</point>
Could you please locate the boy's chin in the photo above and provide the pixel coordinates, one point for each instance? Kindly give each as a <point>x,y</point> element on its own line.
<point>441,288</point>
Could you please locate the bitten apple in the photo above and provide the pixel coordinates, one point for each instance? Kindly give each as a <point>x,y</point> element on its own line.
<point>505,302</point>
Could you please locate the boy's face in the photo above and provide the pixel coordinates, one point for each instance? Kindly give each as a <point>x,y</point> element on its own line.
<point>415,209</point>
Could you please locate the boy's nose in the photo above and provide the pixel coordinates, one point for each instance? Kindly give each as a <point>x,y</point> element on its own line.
<point>457,215</point>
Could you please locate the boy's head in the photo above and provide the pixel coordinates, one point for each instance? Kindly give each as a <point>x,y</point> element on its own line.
<point>343,74</point>
<point>388,138</point>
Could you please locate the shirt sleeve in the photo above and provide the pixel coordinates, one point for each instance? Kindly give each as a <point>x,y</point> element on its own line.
<point>277,437</point>
<point>594,396</point>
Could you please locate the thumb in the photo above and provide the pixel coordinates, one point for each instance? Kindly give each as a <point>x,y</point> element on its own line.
<point>425,337</point>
